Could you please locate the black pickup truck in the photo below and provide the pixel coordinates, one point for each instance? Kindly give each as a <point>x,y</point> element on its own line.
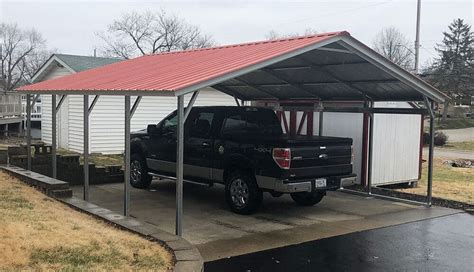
<point>245,149</point>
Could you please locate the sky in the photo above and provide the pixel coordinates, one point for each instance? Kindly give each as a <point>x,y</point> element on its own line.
<point>70,26</point>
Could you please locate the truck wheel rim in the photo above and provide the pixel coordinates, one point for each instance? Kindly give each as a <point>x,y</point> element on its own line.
<point>239,193</point>
<point>135,171</point>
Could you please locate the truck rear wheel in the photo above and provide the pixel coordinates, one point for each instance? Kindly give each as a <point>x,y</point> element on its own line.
<point>139,177</point>
<point>307,198</point>
<point>242,193</point>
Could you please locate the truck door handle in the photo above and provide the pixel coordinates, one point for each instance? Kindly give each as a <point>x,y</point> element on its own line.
<point>205,144</point>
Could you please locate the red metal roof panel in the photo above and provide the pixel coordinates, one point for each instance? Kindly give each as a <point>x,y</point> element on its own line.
<point>174,71</point>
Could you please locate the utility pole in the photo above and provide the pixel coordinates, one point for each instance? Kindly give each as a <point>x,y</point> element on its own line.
<point>417,40</point>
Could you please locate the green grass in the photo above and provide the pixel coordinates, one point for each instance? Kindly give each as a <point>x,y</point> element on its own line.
<point>455,123</point>
<point>464,146</point>
<point>448,182</point>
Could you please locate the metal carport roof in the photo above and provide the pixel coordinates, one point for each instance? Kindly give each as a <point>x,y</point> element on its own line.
<point>329,66</point>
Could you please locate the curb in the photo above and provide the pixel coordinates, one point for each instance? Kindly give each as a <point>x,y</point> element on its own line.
<point>187,257</point>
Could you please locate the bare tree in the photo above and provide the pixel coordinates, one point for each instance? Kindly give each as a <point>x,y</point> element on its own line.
<point>274,35</point>
<point>22,52</point>
<point>137,34</point>
<point>393,45</point>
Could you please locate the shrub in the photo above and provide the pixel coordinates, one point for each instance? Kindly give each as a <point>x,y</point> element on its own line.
<point>439,138</point>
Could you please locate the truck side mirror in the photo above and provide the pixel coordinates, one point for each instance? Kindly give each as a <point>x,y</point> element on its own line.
<point>153,129</point>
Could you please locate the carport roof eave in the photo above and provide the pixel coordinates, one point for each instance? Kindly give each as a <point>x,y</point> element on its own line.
<point>102,92</point>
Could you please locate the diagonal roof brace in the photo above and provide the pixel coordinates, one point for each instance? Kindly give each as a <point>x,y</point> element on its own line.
<point>135,106</point>
<point>63,97</point>
<point>91,107</point>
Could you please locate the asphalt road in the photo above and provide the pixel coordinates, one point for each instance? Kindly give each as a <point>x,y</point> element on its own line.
<point>440,244</point>
<point>459,135</point>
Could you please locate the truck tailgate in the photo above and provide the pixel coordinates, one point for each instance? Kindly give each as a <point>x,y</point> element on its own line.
<point>319,157</point>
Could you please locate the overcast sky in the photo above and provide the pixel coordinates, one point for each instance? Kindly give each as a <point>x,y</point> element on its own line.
<point>70,26</point>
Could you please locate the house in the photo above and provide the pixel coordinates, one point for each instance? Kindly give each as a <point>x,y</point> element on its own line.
<point>397,138</point>
<point>10,112</point>
<point>107,118</point>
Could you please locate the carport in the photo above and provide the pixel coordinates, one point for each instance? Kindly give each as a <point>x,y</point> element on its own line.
<point>327,68</point>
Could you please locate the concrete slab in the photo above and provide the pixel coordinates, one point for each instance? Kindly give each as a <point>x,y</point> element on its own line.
<point>219,233</point>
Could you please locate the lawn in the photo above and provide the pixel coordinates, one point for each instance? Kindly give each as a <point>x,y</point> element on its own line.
<point>465,146</point>
<point>39,233</point>
<point>454,123</point>
<point>448,182</point>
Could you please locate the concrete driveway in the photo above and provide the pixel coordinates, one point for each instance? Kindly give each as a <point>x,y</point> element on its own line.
<point>219,233</point>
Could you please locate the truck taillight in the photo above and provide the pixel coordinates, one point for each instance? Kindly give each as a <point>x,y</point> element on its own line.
<point>352,154</point>
<point>282,157</point>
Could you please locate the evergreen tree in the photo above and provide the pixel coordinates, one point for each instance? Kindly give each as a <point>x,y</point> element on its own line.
<point>453,71</point>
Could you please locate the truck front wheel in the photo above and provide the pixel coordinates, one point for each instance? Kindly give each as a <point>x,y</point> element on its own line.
<point>242,193</point>
<point>139,177</point>
<point>308,198</point>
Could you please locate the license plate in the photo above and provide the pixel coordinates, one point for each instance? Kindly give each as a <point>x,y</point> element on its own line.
<point>318,183</point>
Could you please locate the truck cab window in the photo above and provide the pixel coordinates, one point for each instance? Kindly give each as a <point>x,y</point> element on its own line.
<point>170,124</point>
<point>201,125</point>
<point>232,124</point>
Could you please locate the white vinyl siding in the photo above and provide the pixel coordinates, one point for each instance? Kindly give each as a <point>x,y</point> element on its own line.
<point>106,123</point>
<point>52,73</point>
<point>75,134</point>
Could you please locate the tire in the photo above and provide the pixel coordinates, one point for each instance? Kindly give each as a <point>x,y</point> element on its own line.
<point>242,193</point>
<point>308,198</point>
<point>139,177</point>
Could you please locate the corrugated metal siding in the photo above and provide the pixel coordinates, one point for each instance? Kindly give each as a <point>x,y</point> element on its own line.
<point>396,146</point>
<point>345,125</point>
<point>107,118</point>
